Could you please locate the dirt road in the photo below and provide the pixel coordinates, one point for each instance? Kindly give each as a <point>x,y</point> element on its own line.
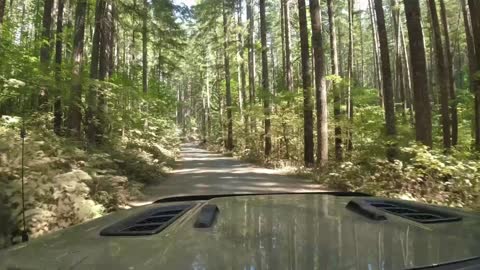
<point>203,172</point>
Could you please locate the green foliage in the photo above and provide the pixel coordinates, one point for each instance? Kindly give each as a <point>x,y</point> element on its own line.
<point>423,175</point>
<point>66,185</point>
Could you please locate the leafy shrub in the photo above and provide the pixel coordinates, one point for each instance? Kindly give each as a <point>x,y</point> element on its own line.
<point>424,175</point>
<point>66,185</point>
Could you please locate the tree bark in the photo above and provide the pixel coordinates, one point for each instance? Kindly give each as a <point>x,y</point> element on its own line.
<point>2,12</point>
<point>75,112</point>
<point>251,60</point>
<point>307,87</point>
<point>105,36</point>
<point>112,45</point>
<point>265,79</point>
<point>46,48</point>
<point>474,8</point>
<point>92,95</point>
<point>442,75</point>
<point>144,48</point>
<point>228,96</point>
<point>376,53</point>
<point>288,60</point>
<point>421,101</point>
<point>399,86</point>
<point>336,90</point>
<point>351,4</point>
<point>408,71</point>
<point>470,43</point>
<point>320,85</point>
<point>387,77</point>
<point>57,107</point>
<point>450,78</point>
<point>242,74</point>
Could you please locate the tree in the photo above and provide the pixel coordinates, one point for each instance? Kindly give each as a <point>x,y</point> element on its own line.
<point>57,107</point>
<point>93,132</point>
<point>336,90</point>
<point>2,12</point>
<point>450,78</point>
<point>251,58</point>
<point>474,8</point>
<point>307,87</point>
<point>242,75</point>
<point>350,106</point>
<point>75,112</point>
<point>442,75</point>
<point>386,75</point>
<point>145,47</point>
<point>265,79</point>
<point>320,86</point>
<point>45,49</point>
<point>421,100</point>
<point>288,61</point>
<point>470,43</point>
<point>228,96</point>
<point>398,79</point>
<point>376,53</point>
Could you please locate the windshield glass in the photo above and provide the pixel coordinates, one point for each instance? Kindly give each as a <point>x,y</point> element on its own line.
<point>115,104</point>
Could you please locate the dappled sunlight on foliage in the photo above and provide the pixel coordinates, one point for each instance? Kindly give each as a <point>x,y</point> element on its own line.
<point>67,185</point>
<point>424,175</point>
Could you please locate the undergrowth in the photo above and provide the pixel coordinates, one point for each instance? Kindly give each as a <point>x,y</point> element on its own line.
<point>66,184</point>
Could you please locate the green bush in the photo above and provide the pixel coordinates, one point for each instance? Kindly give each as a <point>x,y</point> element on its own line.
<point>423,175</point>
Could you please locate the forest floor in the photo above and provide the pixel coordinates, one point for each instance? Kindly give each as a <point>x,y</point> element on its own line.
<point>200,171</point>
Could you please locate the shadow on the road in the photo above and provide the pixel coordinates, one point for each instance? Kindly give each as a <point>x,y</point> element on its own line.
<point>202,172</point>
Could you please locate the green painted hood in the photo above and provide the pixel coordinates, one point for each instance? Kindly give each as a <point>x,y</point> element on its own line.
<point>257,232</point>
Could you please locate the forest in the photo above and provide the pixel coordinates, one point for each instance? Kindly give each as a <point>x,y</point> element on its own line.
<point>96,96</point>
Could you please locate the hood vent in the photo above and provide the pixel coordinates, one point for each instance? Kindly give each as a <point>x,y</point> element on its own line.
<point>149,222</point>
<point>415,212</point>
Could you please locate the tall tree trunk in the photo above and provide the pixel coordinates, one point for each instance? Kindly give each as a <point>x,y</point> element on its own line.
<point>288,61</point>
<point>57,107</point>
<point>251,61</point>
<point>113,47</point>
<point>320,85</point>
<point>470,43</point>
<point>242,73</point>
<point>399,86</point>
<point>421,101</point>
<point>144,48</point>
<point>91,114</point>
<point>336,90</point>
<point>307,87</point>
<point>386,76</point>
<point>282,34</point>
<point>265,79</point>
<point>46,48</point>
<point>228,96</point>
<point>104,56</point>
<point>474,8</point>
<point>2,12</point>
<point>75,112</point>
<point>362,53</point>
<point>351,4</point>
<point>378,74</point>
<point>449,70</point>
<point>408,71</point>
<point>442,75</point>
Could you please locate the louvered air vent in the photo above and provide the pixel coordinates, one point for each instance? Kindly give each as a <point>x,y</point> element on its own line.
<point>415,212</point>
<point>149,222</point>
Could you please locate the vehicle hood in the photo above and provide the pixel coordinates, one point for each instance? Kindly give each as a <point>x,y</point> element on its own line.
<point>308,231</point>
